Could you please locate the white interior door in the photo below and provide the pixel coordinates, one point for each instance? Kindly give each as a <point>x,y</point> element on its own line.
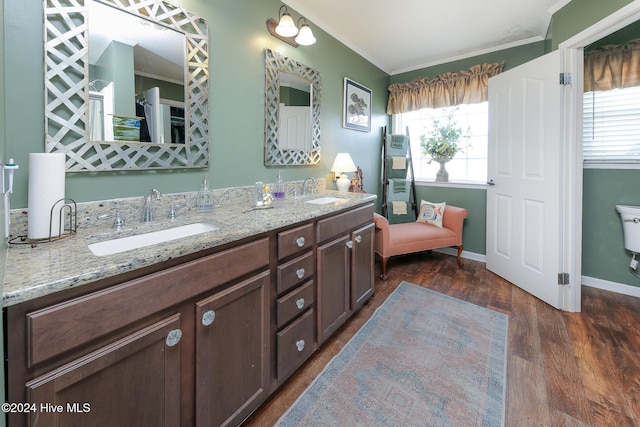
<point>294,131</point>
<point>524,207</point>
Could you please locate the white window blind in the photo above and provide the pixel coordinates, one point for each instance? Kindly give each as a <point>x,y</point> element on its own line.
<point>611,126</point>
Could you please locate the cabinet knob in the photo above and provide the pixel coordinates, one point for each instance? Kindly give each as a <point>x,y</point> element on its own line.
<point>358,239</point>
<point>300,273</point>
<point>208,317</point>
<point>300,241</point>
<point>350,244</point>
<point>300,345</point>
<point>173,337</point>
<point>300,303</point>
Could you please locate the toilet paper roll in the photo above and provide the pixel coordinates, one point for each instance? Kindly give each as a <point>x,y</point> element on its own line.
<point>46,187</point>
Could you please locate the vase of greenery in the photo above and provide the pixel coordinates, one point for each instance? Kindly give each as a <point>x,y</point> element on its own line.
<point>443,142</point>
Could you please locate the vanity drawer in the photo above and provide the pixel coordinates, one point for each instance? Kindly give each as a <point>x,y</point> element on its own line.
<point>295,240</point>
<point>295,271</point>
<point>338,224</point>
<point>62,327</point>
<point>294,303</point>
<point>295,344</point>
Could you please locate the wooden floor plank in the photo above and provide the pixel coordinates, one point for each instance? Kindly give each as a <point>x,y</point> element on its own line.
<point>564,369</point>
<point>527,404</point>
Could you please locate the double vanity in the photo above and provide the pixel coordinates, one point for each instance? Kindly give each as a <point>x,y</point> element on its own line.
<point>195,330</point>
<point>195,318</point>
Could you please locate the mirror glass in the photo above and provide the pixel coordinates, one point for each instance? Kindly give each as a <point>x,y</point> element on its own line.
<point>294,127</point>
<point>292,112</point>
<point>136,78</point>
<point>126,85</point>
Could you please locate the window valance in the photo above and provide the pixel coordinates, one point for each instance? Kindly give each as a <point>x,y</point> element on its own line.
<point>449,89</point>
<point>613,66</point>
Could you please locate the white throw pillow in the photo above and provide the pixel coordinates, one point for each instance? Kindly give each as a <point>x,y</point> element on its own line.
<point>431,213</point>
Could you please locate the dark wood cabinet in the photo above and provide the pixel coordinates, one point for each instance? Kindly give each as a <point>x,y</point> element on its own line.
<point>201,342</point>
<point>362,266</point>
<point>129,350</point>
<point>133,381</point>
<point>333,286</point>
<point>232,352</point>
<point>345,267</point>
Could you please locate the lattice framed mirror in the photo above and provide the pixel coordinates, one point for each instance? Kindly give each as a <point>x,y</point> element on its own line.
<point>292,112</point>
<point>111,136</point>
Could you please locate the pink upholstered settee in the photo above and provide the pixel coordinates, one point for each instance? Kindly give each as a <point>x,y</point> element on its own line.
<point>398,239</point>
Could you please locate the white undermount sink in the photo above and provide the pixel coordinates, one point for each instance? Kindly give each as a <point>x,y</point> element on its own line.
<point>123,244</point>
<point>324,200</point>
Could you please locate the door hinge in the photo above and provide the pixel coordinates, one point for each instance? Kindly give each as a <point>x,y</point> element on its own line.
<point>565,79</point>
<point>563,279</point>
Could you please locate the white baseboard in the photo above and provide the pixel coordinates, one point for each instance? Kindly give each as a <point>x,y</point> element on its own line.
<point>593,282</point>
<point>620,288</point>
<point>467,255</point>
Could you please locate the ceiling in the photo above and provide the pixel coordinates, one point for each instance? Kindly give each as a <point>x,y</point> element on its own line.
<point>405,35</point>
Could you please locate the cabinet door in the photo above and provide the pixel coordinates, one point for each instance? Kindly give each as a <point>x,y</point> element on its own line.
<point>134,381</point>
<point>333,286</point>
<point>232,352</point>
<point>362,264</point>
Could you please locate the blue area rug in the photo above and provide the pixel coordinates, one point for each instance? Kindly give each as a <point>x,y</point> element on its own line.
<point>423,359</point>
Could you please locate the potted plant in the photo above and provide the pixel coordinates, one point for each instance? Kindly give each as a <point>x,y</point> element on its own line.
<point>442,143</point>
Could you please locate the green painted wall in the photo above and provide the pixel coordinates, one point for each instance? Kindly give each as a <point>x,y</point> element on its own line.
<point>238,37</point>
<point>474,201</point>
<point>579,15</point>
<point>603,252</point>
<point>512,57</point>
<point>620,37</point>
<point>116,65</point>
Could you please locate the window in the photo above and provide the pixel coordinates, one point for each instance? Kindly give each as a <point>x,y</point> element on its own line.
<point>611,126</point>
<point>469,166</point>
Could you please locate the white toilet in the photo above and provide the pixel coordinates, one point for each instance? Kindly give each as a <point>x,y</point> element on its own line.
<point>630,216</point>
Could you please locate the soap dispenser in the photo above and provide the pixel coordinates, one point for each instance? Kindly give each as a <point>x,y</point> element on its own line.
<point>204,203</point>
<point>278,191</point>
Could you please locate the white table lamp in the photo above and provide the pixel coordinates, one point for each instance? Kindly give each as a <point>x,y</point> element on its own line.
<point>343,163</point>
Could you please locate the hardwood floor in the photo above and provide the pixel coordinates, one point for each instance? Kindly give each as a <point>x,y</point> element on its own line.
<point>563,369</point>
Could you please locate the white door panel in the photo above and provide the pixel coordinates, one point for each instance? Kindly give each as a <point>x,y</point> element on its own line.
<point>503,215</point>
<point>523,207</point>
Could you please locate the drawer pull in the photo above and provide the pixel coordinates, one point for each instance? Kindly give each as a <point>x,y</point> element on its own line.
<point>300,345</point>
<point>173,337</point>
<point>350,244</point>
<point>300,273</point>
<point>208,317</point>
<point>300,303</point>
<point>358,239</point>
<point>300,241</point>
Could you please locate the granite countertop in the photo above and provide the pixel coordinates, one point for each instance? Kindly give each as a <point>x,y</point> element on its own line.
<point>49,267</point>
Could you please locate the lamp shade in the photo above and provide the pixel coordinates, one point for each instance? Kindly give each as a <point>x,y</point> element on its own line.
<point>305,36</point>
<point>343,163</point>
<point>286,27</point>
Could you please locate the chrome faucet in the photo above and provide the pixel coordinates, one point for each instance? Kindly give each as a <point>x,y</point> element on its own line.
<point>147,208</point>
<point>304,185</point>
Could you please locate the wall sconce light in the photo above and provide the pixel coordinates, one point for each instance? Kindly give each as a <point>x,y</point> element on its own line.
<point>285,30</point>
<point>343,163</point>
